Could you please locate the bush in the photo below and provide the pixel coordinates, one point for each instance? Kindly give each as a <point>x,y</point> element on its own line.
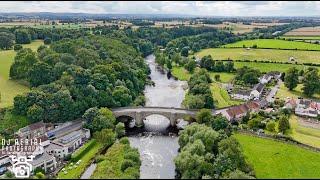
<point>126,164</point>
<point>99,158</point>
<point>47,41</point>
<point>17,47</point>
<point>271,126</point>
<point>124,140</point>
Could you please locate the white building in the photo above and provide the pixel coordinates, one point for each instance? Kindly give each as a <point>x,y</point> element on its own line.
<point>256,91</point>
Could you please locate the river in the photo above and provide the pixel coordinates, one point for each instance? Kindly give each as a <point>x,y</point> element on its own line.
<point>158,151</point>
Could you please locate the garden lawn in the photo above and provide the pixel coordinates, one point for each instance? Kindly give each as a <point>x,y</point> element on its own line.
<point>306,135</point>
<point>221,96</point>
<point>91,149</point>
<point>9,88</point>
<point>275,44</point>
<point>273,55</point>
<point>273,159</point>
<point>284,93</point>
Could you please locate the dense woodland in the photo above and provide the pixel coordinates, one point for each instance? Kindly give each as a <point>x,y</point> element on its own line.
<point>76,74</point>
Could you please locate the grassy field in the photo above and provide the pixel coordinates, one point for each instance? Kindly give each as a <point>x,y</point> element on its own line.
<point>275,44</point>
<point>283,92</point>
<point>261,54</point>
<point>302,37</point>
<point>221,97</point>
<point>76,172</point>
<point>11,123</point>
<point>8,88</point>
<point>267,67</point>
<point>272,159</point>
<point>306,135</point>
<point>184,75</point>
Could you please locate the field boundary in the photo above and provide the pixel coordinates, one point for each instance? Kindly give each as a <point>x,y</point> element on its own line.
<point>285,49</point>
<point>280,138</point>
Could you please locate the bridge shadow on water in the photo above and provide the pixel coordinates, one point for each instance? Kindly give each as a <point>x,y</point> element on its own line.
<point>153,124</point>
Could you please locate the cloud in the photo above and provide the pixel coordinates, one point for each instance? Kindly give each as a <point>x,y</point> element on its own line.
<point>202,8</point>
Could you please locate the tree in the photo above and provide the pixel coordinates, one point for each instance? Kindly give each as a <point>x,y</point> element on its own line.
<point>169,64</point>
<point>17,47</point>
<point>120,130</point>
<point>105,136</point>
<point>104,120</point>
<point>283,124</point>
<point>191,65</point>
<point>121,95</point>
<point>40,73</point>
<point>185,51</point>
<point>311,83</point>
<point>292,78</point>
<point>40,175</point>
<point>35,113</point>
<point>219,122</point>
<point>6,40</point>
<point>207,62</point>
<point>217,77</point>
<point>194,102</point>
<point>47,41</point>
<point>271,126</point>
<point>22,36</point>
<point>204,116</point>
<point>231,148</point>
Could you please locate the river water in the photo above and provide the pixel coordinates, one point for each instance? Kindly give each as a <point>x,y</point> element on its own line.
<point>157,151</point>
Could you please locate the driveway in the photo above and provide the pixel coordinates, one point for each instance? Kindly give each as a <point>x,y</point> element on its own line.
<point>272,93</point>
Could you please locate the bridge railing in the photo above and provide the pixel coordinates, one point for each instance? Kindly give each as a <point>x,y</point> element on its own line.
<point>152,107</point>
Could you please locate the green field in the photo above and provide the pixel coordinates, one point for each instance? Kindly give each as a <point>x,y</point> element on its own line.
<point>275,44</point>
<point>272,159</point>
<point>306,135</point>
<point>8,88</point>
<point>11,123</point>
<point>267,67</point>
<point>91,149</point>
<point>221,97</point>
<point>184,75</point>
<point>302,37</point>
<point>284,93</point>
<point>274,55</point>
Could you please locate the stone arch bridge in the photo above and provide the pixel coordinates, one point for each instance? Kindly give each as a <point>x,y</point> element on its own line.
<point>140,113</point>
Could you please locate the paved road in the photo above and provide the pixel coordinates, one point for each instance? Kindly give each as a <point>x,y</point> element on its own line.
<point>273,92</point>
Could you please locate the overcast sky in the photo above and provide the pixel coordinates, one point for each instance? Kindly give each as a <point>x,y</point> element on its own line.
<point>210,8</point>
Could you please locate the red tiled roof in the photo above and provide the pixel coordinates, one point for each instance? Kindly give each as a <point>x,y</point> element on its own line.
<point>242,109</point>
<point>37,125</point>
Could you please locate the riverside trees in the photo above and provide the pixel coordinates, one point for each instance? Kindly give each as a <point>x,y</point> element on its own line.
<point>73,75</point>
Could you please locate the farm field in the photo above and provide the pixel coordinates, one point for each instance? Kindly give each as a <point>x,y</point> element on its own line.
<point>284,93</point>
<point>262,54</point>
<point>302,37</point>
<point>304,31</point>
<point>274,44</point>
<point>306,135</point>
<point>221,97</point>
<point>9,88</point>
<point>267,67</point>
<point>273,159</point>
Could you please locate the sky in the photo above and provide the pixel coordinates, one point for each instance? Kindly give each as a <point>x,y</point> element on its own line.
<point>200,8</point>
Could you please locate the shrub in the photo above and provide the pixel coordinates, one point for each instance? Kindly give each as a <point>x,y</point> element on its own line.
<point>47,41</point>
<point>271,126</point>
<point>126,164</point>
<point>124,140</point>
<point>17,47</point>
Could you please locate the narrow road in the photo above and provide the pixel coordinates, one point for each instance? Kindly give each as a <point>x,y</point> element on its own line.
<point>274,90</point>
